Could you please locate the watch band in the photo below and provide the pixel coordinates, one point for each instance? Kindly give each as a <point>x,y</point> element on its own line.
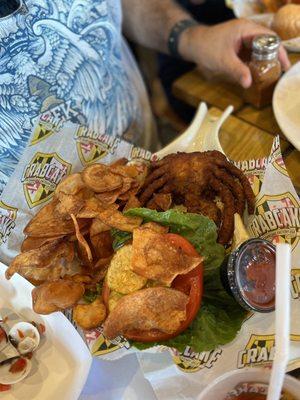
<point>175,34</point>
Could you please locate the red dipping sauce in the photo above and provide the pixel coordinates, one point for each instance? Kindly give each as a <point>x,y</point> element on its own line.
<point>250,275</point>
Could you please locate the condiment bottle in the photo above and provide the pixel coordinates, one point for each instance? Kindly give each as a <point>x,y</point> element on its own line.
<point>265,70</point>
<point>248,274</point>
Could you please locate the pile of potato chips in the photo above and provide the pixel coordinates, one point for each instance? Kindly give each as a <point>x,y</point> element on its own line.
<point>68,244</point>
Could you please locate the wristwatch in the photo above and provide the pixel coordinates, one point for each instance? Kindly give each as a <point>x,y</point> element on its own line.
<point>175,34</point>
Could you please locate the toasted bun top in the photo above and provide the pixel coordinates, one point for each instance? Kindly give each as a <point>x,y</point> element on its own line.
<point>286,22</point>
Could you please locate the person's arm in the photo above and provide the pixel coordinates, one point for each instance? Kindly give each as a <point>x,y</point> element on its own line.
<point>149,22</point>
<point>214,49</point>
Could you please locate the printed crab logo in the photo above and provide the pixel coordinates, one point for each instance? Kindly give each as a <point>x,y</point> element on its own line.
<point>53,120</point>
<point>255,182</point>
<point>41,132</point>
<point>92,146</point>
<point>190,361</point>
<point>42,175</point>
<point>277,218</point>
<point>259,350</point>
<point>295,283</point>
<point>278,163</point>
<point>99,345</point>
<point>8,217</point>
<point>138,153</point>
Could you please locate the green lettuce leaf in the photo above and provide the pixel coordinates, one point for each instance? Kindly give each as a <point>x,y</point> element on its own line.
<point>119,238</point>
<point>91,295</point>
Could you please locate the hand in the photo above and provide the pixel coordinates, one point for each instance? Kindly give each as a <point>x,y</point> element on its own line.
<point>216,49</point>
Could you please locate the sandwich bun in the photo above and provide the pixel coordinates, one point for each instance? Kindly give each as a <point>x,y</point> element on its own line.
<point>286,22</point>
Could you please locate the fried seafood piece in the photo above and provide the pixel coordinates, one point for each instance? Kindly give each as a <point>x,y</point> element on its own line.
<point>56,296</point>
<point>160,201</point>
<point>156,308</point>
<point>90,316</point>
<point>157,258</point>
<point>191,176</point>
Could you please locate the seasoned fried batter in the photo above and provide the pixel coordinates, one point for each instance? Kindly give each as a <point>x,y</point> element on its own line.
<point>190,177</point>
<point>160,202</point>
<point>56,296</point>
<point>89,316</point>
<point>145,310</point>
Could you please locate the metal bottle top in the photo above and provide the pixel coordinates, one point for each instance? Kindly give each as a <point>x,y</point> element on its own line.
<point>265,47</point>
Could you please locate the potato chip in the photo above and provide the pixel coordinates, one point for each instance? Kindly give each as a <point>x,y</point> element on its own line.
<point>156,308</point>
<point>109,197</point>
<point>129,171</point>
<point>132,202</point>
<point>97,227</point>
<point>116,219</point>
<point>85,250</point>
<point>93,207</point>
<point>100,178</point>
<point>81,278</point>
<point>38,276</point>
<point>90,316</point>
<point>69,204</point>
<point>48,223</point>
<point>45,256</point>
<point>32,242</point>
<point>119,276</point>
<point>72,184</point>
<point>155,257</point>
<point>56,296</point>
<point>114,297</point>
<point>102,244</point>
<point>102,264</point>
<point>120,161</point>
<point>84,230</point>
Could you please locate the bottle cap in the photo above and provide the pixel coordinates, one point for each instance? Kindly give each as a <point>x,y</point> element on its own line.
<point>265,47</point>
<point>249,275</point>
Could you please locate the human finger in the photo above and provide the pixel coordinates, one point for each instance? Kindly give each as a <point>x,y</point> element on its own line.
<point>238,71</point>
<point>283,58</point>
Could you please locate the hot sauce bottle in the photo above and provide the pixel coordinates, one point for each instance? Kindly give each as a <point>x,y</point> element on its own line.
<point>265,70</point>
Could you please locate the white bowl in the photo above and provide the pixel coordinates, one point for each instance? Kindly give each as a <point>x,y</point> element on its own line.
<point>220,387</point>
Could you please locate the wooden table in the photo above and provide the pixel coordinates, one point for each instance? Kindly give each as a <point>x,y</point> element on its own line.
<point>249,132</point>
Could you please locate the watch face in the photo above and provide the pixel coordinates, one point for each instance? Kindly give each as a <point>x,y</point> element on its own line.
<point>7,7</point>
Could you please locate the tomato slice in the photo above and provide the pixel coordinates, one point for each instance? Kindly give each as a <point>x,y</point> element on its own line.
<point>191,284</point>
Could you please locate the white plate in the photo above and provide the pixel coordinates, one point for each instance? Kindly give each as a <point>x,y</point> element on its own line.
<point>286,105</point>
<point>62,362</point>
